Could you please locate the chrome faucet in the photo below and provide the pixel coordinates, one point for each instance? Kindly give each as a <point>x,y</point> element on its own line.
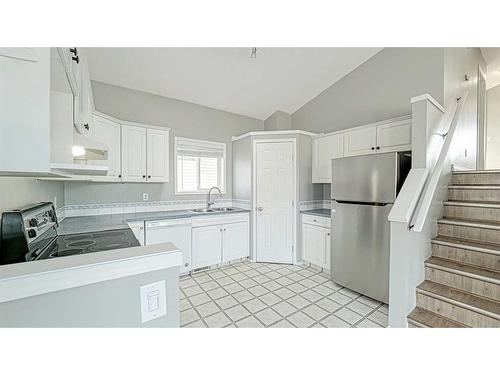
<point>209,201</point>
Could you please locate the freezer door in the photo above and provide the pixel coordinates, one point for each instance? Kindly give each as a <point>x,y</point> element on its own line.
<point>360,241</point>
<point>367,178</point>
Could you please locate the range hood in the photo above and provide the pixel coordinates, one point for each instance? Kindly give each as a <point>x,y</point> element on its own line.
<point>85,148</point>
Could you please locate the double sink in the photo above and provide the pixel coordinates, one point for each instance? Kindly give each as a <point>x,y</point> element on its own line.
<point>220,209</point>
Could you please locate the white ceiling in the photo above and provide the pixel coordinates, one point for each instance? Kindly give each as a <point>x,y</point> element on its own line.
<point>227,78</point>
<point>492,57</point>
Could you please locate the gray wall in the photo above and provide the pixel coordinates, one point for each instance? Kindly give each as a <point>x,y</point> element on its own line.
<point>114,303</point>
<point>185,120</point>
<point>493,129</point>
<point>242,169</point>
<point>17,192</point>
<point>457,63</point>
<point>379,89</point>
<point>279,120</point>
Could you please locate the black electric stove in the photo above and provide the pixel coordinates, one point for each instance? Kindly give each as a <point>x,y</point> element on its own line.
<point>73,244</point>
<point>31,234</point>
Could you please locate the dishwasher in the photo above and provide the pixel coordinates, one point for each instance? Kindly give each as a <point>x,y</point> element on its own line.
<point>177,231</point>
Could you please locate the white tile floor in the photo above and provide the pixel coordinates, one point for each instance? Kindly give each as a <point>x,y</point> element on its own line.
<point>273,295</point>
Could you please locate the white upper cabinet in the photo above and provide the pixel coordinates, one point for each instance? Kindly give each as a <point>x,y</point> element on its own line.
<point>144,154</point>
<point>360,141</point>
<point>134,167</point>
<point>394,137</point>
<point>324,150</point>
<point>108,132</point>
<point>386,136</point>
<point>157,155</point>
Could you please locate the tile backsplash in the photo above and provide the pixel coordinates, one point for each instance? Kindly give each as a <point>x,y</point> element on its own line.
<point>133,207</point>
<point>154,206</point>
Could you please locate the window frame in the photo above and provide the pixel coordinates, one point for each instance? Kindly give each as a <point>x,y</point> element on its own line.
<point>201,142</point>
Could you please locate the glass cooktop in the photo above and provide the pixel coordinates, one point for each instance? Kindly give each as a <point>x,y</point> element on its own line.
<point>73,244</point>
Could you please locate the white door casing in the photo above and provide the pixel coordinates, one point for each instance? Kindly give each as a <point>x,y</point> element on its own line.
<point>274,188</point>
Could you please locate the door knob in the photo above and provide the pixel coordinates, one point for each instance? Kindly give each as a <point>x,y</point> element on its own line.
<point>260,209</point>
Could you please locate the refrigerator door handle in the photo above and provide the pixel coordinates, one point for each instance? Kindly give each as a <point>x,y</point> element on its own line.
<point>362,203</point>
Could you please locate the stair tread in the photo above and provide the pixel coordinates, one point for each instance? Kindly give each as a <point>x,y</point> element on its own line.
<point>475,186</point>
<point>477,171</point>
<point>459,242</point>
<point>493,204</point>
<point>429,319</point>
<point>457,221</point>
<point>484,305</point>
<point>484,273</point>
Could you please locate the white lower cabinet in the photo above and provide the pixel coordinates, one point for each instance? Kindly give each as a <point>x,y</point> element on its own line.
<point>316,241</point>
<point>221,238</point>
<point>207,246</point>
<point>235,243</point>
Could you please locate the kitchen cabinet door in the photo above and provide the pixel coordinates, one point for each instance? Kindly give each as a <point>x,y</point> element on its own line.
<point>360,141</point>
<point>324,150</point>
<point>206,246</point>
<point>108,132</point>
<point>235,244</point>
<point>157,155</point>
<point>314,245</point>
<point>394,137</point>
<point>133,141</point>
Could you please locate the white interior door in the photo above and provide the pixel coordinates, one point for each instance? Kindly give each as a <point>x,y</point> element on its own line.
<point>275,182</point>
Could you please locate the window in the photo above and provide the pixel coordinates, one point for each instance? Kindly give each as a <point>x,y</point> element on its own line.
<point>200,165</point>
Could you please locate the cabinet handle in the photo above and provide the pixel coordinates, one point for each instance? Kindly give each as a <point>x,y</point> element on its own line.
<point>119,176</point>
<point>328,234</point>
<point>378,147</point>
<point>76,58</point>
<point>149,176</point>
<point>186,264</point>
<point>143,176</point>
<point>373,148</point>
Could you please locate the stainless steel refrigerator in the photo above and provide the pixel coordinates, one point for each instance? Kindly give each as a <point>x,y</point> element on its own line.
<point>363,192</point>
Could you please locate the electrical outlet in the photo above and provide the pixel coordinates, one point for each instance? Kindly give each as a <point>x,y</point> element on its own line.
<point>145,196</point>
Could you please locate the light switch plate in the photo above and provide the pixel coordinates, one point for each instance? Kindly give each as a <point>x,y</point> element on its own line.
<point>153,301</point>
<point>145,197</point>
